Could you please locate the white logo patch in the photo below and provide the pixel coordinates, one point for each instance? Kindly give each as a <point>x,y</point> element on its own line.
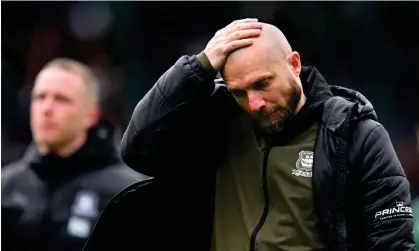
<point>304,164</point>
<point>400,210</point>
<point>86,204</point>
<point>79,227</point>
<point>84,209</point>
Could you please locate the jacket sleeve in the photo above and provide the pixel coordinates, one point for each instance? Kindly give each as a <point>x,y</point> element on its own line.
<point>386,204</point>
<point>168,125</point>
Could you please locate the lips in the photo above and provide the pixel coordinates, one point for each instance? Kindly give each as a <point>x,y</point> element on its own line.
<point>274,115</point>
<point>47,126</point>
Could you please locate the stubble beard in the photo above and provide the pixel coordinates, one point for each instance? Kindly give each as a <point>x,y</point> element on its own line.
<point>271,125</point>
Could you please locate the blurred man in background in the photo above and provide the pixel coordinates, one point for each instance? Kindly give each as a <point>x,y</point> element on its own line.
<point>274,158</point>
<point>52,197</point>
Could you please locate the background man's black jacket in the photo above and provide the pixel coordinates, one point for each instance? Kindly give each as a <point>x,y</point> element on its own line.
<point>175,135</point>
<point>53,203</point>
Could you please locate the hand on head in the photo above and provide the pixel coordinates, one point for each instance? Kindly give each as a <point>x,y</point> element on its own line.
<point>234,36</point>
<point>260,70</point>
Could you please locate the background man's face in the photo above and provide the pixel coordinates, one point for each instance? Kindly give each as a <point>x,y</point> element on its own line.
<point>59,107</point>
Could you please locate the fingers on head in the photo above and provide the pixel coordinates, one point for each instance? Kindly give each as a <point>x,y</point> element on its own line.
<point>243,34</point>
<point>237,44</point>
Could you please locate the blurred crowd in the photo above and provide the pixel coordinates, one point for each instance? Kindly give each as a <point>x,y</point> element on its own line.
<point>367,46</point>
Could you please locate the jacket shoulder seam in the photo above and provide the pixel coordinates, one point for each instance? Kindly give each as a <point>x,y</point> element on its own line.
<point>162,96</point>
<point>388,177</point>
<point>129,190</point>
<point>369,135</point>
<point>15,168</point>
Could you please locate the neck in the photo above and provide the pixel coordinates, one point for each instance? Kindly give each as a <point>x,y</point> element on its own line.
<point>301,103</point>
<point>64,150</point>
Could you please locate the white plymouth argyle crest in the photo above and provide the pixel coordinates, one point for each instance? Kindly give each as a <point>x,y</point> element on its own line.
<point>304,164</point>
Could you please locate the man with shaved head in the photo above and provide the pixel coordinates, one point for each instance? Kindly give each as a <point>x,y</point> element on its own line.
<point>268,157</point>
<point>258,65</point>
<point>52,197</point>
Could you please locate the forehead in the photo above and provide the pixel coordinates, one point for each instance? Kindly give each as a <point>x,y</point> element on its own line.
<point>59,80</point>
<point>243,77</point>
<point>245,69</point>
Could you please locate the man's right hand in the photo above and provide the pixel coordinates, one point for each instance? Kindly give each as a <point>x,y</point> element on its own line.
<point>234,36</point>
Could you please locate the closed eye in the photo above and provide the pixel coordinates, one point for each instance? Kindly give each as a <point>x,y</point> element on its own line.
<point>57,97</point>
<point>63,99</point>
<point>38,96</point>
<point>238,93</point>
<point>261,85</point>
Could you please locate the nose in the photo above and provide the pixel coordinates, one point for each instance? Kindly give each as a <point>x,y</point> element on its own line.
<point>47,105</point>
<point>256,101</point>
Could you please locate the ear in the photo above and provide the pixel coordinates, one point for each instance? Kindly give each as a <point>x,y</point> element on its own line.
<point>92,117</point>
<point>295,63</point>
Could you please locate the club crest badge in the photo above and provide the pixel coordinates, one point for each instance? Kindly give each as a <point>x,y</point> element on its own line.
<point>86,204</point>
<point>84,212</point>
<point>304,164</point>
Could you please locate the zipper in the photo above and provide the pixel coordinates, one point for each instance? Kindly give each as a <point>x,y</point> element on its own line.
<point>46,219</point>
<point>264,215</point>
